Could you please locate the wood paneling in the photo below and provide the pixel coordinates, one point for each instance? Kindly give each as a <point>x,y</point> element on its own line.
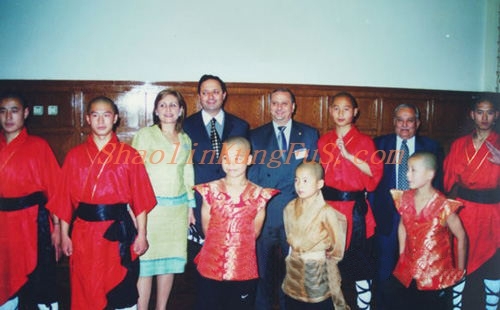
<point>444,114</point>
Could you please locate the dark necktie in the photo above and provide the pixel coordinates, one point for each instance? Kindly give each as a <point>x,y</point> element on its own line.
<point>403,166</point>
<point>214,138</point>
<point>282,141</point>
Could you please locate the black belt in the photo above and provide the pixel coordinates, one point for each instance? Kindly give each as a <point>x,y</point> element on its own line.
<point>19,203</point>
<point>487,196</point>
<point>122,229</point>
<point>332,194</point>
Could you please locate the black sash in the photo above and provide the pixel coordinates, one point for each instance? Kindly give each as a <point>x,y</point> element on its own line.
<point>333,194</point>
<point>121,230</point>
<point>360,248</point>
<point>19,203</point>
<point>487,196</point>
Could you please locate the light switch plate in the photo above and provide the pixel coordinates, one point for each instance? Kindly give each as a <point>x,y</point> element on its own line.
<point>52,110</point>
<point>38,110</point>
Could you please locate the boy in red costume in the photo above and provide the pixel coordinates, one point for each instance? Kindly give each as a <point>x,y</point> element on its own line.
<point>232,215</point>
<point>427,266</point>
<point>29,247</point>
<point>104,183</point>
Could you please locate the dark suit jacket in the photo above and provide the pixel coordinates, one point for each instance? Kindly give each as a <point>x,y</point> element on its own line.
<point>204,169</point>
<point>269,171</point>
<point>381,200</point>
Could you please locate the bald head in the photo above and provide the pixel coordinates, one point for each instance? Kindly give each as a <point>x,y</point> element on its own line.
<point>428,160</point>
<point>315,168</point>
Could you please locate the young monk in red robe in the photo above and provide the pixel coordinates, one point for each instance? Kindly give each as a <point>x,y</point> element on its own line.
<point>351,168</point>
<point>472,170</point>
<point>104,183</point>
<point>29,174</point>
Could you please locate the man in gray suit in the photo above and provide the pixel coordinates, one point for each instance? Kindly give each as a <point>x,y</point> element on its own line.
<point>278,148</point>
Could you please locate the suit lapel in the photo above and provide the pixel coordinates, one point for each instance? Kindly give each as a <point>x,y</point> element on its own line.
<point>391,168</point>
<point>295,133</point>
<point>201,130</point>
<point>228,126</point>
<point>272,142</point>
<point>419,146</point>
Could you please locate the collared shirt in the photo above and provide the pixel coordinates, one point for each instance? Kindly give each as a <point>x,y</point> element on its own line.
<point>218,124</point>
<point>411,147</point>
<point>287,130</point>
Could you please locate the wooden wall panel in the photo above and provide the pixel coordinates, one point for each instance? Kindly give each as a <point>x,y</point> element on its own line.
<point>311,110</point>
<point>444,114</point>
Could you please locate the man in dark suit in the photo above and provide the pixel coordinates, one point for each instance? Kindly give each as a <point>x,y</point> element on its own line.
<point>278,148</point>
<point>208,127</point>
<point>406,123</point>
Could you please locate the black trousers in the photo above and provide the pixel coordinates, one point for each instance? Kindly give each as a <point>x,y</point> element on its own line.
<point>293,304</point>
<point>412,298</point>
<point>225,295</point>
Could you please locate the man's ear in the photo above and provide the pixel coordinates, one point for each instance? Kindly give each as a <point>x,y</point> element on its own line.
<point>26,113</point>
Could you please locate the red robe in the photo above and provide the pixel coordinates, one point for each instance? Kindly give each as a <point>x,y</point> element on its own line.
<point>113,175</point>
<point>344,176</point>
<point>27,165</point>
<point>471,169</point>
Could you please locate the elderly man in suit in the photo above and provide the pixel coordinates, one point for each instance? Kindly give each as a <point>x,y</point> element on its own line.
<point>396,148</point>
<point>207,129</point>
<point>278,148</point>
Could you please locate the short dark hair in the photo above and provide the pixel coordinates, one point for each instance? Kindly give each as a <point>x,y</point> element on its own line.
<point>285,90</point>
<point>14,95</point>
<point>102,99</point>
<point>347,95</point>
<point>107,100</point>
<point>484,98</point>
<point>206,77</point>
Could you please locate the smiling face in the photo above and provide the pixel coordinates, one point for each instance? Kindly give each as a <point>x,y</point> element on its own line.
<point>12,117</point>
<point>101,118</point>
<point>484,116</point>
<point>168,110</point>
<point>282,107</point>
<point>406,123</point>
<point>342,112</point>
<point>211,96</point>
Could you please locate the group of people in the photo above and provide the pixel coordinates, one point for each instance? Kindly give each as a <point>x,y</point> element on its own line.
<point>351,229</point>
